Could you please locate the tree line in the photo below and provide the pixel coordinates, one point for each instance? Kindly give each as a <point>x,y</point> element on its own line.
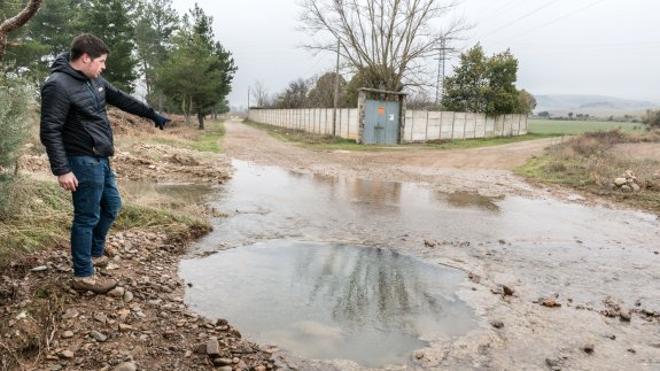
<point>182,68</point>
<point>479,84</point>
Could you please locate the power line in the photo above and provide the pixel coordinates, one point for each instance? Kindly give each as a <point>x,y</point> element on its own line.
<point>526,15</point>
<point>526,33</point>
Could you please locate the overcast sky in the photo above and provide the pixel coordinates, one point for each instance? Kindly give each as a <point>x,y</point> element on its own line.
<point>603,47</point>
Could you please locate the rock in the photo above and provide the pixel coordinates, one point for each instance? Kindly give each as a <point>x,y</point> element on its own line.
<point>101,317</point>
<point>508,291</point>
<point>635,187</point>
<point>222,362</point>
<point>429,243</point>
<point>117,292</point>
<point>200,348</point>
<point>474,277</point>
<point>56,367</point>
<point>128,296</point>
<point>40,268</point>
<point>501,242</point>
<point>225,368</point>
<point>624,314</point>
<point>620,181</point>
<point>260,368</point>
<point>632,350</point>
<point>212,347</point>
<point>70,314</point>
<point>553,364</point>
<point>588,348</point>
<point>626,189</point>
<point>98,336</point>
<point>125,328</point>
<point>67,334</point>
<point>497,323</point>
<point>550,303</point>
<point>66,354</point>
<point>126,366</point>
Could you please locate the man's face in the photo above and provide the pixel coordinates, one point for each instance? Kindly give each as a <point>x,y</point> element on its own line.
<point>93,67</point>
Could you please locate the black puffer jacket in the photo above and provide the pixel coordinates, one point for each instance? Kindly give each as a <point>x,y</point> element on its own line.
<point>73,115</point>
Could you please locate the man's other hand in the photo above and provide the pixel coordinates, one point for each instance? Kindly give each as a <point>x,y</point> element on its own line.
<point>68,181</point>
<point>160,121</point>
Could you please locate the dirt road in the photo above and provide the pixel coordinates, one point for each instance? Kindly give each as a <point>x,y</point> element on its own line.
<point>554,284</point>
<point>485,170</point>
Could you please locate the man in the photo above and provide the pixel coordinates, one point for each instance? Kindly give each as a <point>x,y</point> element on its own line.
<point>78,138</point>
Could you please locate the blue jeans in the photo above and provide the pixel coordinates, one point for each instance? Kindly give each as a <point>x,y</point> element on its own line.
<point>96,204</point>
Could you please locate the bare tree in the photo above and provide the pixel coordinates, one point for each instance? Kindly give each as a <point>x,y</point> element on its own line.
<point>390,39</point>
<point>260,94</point>
<point>16,22</point>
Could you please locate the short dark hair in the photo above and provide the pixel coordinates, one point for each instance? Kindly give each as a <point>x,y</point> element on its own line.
<point>87,43</point>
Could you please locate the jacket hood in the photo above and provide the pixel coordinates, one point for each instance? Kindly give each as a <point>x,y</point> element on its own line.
<point>61,64</point>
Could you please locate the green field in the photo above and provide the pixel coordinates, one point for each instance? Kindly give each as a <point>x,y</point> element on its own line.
<point>539,126</point>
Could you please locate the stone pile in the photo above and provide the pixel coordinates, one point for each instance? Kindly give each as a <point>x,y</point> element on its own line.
<point>627,183</point>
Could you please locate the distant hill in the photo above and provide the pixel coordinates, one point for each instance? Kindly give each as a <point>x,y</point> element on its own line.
<point>595,105</point>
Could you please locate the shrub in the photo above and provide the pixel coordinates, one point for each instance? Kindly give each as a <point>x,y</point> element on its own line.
<point>652,119</point>
<point>14,102</point>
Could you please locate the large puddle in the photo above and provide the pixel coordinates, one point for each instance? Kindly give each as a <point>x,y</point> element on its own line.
<point>321,301</point>
<point>347,295</point>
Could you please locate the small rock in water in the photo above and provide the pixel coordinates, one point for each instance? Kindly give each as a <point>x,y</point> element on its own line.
<point>550,303</point>
<point>497,323</point>
<point>624,314</point>
<point>508,291</point>
<point>553,364</point>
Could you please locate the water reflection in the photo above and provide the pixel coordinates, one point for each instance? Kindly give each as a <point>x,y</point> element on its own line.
<point>371,305</point>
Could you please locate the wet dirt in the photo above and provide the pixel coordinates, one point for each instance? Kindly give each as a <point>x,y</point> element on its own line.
<point>583,258</point>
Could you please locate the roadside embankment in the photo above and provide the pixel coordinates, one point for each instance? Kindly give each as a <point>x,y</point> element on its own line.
<point>143,323</point>
<point>617,166</point>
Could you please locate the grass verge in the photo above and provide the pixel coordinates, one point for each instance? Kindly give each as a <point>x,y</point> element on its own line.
<point>574,127</point>
<point>38,215</point>
<point>330,143</point>
<point>590,163</point>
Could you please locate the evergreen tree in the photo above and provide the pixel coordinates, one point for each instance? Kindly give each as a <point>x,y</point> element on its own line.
<point>198,73</point>
<point>110,20</point>
<point>156,21</point>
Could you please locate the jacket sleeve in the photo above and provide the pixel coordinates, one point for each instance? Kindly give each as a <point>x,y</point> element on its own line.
<point>126,102</point>
<point>54,110</point>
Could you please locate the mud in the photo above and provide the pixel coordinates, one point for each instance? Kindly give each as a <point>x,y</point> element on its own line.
<point>554,283</point>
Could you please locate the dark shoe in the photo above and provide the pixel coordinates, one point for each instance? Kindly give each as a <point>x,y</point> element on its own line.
<point>97,285</point>
<point>100,261</point>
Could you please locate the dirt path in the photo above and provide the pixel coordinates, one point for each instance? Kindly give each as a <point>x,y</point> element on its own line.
<point>555,285</point>
<point>485,170</point>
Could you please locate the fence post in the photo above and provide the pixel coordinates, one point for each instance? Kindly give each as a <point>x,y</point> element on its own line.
<point>412,125</point>
<point>453,122</point>
<point>440,132</point>
<point>426,134</point>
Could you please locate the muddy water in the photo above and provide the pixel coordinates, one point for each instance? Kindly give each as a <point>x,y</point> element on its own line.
<point>275,216</point>
<point>370,305</point>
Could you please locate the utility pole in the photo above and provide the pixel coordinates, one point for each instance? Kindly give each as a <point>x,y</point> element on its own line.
<point>336,100</point>
<point>440,81</point>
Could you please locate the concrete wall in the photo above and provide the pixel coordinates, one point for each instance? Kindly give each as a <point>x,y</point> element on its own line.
<point>419,126</point>
<point>312,120</point>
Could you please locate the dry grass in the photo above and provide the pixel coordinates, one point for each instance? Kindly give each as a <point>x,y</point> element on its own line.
<point>588,163</point>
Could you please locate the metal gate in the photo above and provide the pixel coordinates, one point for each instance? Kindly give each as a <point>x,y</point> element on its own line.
<point>381,122</point>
